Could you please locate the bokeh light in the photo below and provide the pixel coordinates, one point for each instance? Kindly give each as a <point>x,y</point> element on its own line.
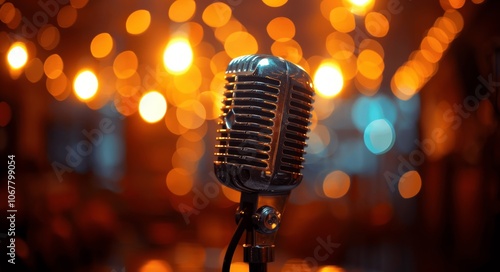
<point>379,136</point>
<point>342,19</point>
<point>240,43</point>
<point>376,24</point>
<point>156,266</point>
<point>85,85</point>
<point>328,80</point>
<point>152,106</point>
<point>138,22</point>
<point>216,14</point>
<point>409,184</point>
<point>101,45</point>
<point>179,181</point>
<point>340,45</point>
<point>125,64</point>
<point>34,70</point>
<point>67,16</point>
<point>48,37</point>
<point>17,55</point>
<point>336,184</point>
<point>181,10</point>
<point>53,66</point>
<point>275,3</point>
<point>178,56</point>
<point>359,7</point>
<point>281,29</point>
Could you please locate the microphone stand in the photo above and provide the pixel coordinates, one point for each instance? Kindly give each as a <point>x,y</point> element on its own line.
<point>260,217</point>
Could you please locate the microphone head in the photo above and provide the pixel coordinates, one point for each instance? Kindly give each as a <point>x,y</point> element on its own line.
<point>263,127</point>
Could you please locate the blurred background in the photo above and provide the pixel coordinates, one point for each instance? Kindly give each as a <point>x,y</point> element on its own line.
<point>111,108</point>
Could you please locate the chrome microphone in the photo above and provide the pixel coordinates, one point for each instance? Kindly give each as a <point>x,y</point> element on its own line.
<point>264,123</point>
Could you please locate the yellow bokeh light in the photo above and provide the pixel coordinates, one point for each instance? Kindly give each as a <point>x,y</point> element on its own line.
<point>240,43</point>
<point>216,14</point>
<point>125,64</point>
<point>289,50</point>
<point>409,184</point>
<point>101,45</point>
<point>53,66</point>
<point>190,81</point>
<point>456,4</point>
<point>178,56</point>
<point>359,7</point>
<point>191,114</point>
<point>370,64</point>
<point>281,29</point>
<point>274,3</point>
<point>221,33</point>
<point>85,85</point>
<point>336,184</point>
<point>376,24</point>
<point>138,22</point>
<point>179,181</point>
<point>194,32</point>
<point>152,106</point>
<point>342,19</point>
<point>181,10</point>
<point>340,45</point>
<point>17,55</point>
<point>156,266</point>
<point>331,268</point>
<point>328,80</point>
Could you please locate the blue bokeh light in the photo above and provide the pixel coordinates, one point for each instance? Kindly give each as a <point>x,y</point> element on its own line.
<point>379,136</point>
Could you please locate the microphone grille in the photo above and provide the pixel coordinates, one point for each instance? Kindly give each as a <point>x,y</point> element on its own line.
<point>248,113</point>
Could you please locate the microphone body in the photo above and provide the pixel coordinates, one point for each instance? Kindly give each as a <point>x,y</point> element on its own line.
<point>263,127</point>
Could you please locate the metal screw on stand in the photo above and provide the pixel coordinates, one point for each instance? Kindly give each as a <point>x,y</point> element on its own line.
<point>267,219</point>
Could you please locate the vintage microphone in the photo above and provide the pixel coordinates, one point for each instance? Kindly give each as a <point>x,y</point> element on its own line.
<point>260,146</point>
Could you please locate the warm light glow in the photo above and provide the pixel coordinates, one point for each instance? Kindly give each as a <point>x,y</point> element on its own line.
<point>275,3</point>
<point>67,16</point>
<point>34,70</point>
<point>409,184</point>
<point>331,268</point>
<point>181,10</point>
<point>125,64</point>
<point>340,45</point>
<point>49,37</point>
<point>152,107</point>
<point>376,24</point>
<point>240,43</point>
<point>179,181</point>
<point>177,56</point>
<point>289,50</point>
<point>53,66</point>
<point>17,55</point>
<point>138,22</point>
<point>370,64</point>
<point>85,85</point>
<point>156,266</point>
<point>359,7</point>
<point>328,80</point>
<point>342,20</point>
<point>336,184</point>
<point>281,29</point>
<point>101,45</point>
<point>216,14</point>
<point>221,33</point>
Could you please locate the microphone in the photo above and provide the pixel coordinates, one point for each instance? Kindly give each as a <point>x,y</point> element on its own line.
<point>265,117</point>
<point>260,147</point>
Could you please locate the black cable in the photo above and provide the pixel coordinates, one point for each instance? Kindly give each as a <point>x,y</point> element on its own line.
<point>232,245</point>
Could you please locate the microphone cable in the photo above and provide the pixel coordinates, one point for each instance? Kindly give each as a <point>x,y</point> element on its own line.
<point>228,257</point>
